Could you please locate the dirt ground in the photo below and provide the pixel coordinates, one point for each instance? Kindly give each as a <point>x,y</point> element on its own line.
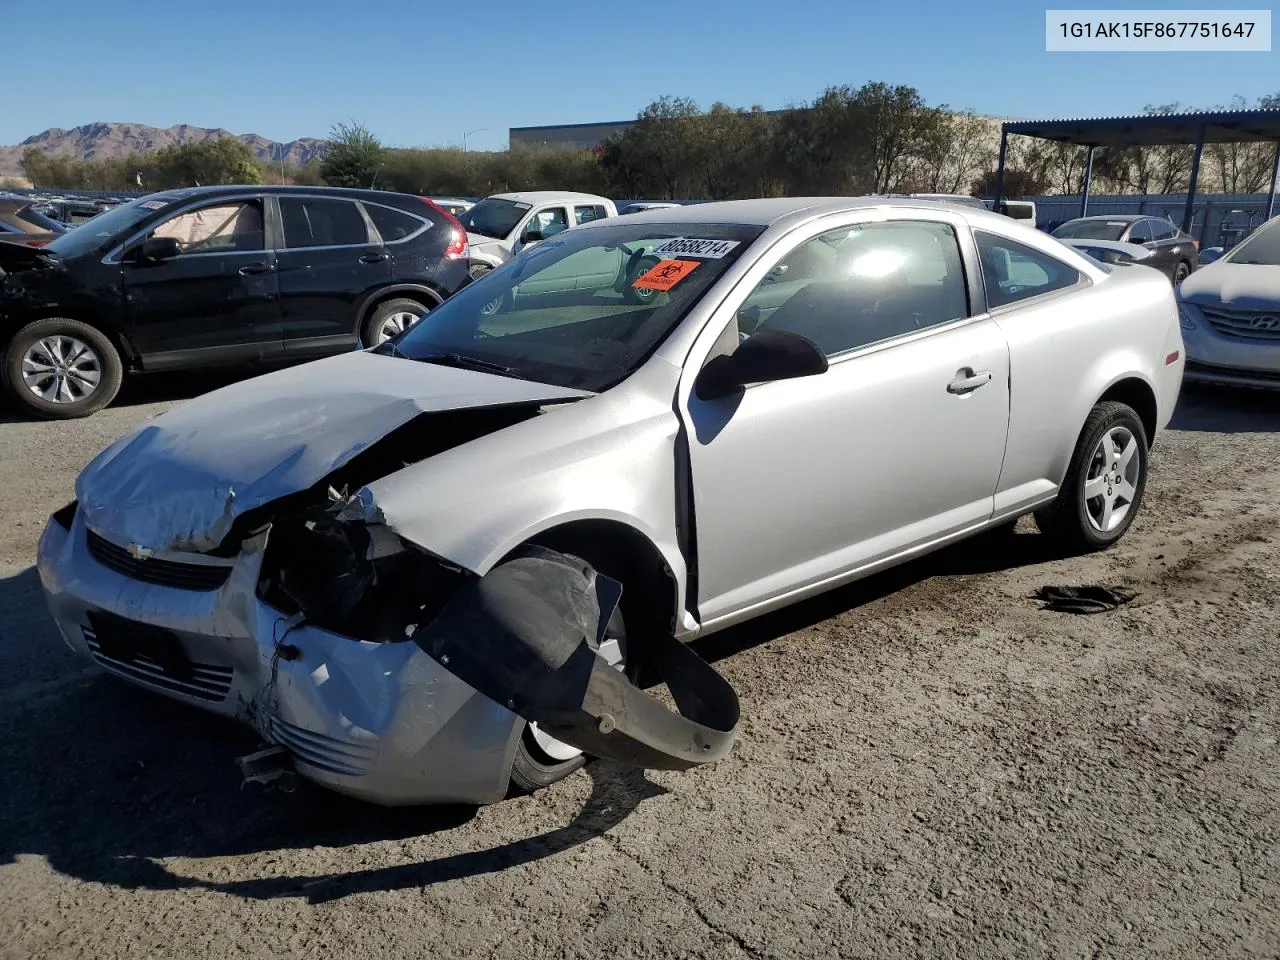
<point>929,766</point>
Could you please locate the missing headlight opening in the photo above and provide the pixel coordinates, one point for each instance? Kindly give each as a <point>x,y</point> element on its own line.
<point>351,578</point>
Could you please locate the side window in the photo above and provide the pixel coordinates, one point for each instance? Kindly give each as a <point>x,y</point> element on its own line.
<point>321,222</point>
<point>550,221</point>
<point>1140,232</point>
<point>1161,229</point>
<point>861,285</point>
<point>392,224</point>
<point>1015,272</point>
<point>221,227</point>
<point>588,213</point>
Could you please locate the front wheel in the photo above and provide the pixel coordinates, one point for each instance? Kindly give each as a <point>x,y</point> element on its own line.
<point>60,369</point>
<point>541,759</point>
<point>1104,484</point>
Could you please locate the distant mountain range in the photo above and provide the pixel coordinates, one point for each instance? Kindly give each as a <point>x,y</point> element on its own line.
<point>100,141</point>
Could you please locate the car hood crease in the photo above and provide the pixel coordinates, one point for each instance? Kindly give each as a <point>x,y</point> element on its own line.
<point>1246,286</point>
<point>179,482</point>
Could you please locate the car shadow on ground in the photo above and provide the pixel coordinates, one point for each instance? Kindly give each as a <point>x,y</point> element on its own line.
<point>105,782</point>
<point>1214,409</point>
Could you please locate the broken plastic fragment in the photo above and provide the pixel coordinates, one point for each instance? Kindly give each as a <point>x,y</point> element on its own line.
<point>524,635</point>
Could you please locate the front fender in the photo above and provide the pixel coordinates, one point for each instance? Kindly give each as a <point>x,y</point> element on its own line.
<point>608,457</point>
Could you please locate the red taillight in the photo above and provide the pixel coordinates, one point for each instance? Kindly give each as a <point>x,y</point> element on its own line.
<point>36,243</point>
<point>1196,244</point>
<point>457,247</point>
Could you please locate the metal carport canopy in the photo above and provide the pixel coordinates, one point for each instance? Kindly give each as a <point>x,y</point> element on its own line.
<point>1226,126</point>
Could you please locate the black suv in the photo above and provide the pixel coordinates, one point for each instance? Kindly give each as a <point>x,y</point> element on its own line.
<point>219,276</point>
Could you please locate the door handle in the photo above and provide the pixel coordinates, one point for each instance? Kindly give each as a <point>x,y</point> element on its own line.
<point>250,269</point>
<point>373,258</point>
<point>969,383</point>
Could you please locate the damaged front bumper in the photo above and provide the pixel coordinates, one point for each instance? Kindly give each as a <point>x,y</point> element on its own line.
<point>380,721</point>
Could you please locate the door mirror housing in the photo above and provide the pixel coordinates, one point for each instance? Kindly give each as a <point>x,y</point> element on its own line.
<point>531,235</point>
<point>765,356</point>
<point>155,249</point>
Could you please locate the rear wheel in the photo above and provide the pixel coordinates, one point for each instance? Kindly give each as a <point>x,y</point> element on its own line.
<point>1181,272</point>
<point>642,294</point>
<point>391,319</point>
<point>1104,484</point>
<point>61,369</point>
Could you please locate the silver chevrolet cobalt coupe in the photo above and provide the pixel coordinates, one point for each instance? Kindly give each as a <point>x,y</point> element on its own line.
<point>720,409</point>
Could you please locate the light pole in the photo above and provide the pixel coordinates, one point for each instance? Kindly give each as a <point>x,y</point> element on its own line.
<point>469,133</point>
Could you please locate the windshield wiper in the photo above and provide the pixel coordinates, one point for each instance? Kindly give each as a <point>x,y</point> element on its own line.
<point>462,360</point>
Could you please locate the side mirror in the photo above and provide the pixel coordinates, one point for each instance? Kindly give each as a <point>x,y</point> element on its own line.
<point>531,235</point>
<point>155,249</point>
<point>765,356</point>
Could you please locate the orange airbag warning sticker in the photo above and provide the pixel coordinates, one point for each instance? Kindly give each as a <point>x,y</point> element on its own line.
<point>665,275</point>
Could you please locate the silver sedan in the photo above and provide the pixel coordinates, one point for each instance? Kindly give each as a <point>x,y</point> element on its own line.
<point>732,407</point>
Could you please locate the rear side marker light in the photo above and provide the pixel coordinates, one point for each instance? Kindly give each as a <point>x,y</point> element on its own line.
<point>1172,358</point>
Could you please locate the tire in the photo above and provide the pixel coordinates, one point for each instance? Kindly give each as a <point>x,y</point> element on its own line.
<point>1181,272</point>
<point>391,318</point>
<point>533,768</point>
<point>1107,474</point>
<point>90,365</point>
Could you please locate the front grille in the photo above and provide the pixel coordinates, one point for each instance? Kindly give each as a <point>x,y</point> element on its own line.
<point>168,573</point>
<point>204,681</point>
<point>1246,324</point>
<point>348,757</point>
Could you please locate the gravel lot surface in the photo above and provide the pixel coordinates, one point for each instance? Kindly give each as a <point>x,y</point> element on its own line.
<point>930,766</point>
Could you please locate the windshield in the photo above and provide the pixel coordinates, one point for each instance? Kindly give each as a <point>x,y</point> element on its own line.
<point>1091,230</point>
<point>96,233</point>
<point>582,310</point>
<point>1261,249</point>
<point>493,217</point>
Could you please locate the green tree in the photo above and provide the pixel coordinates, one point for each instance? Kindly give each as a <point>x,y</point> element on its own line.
<point>353,157</point>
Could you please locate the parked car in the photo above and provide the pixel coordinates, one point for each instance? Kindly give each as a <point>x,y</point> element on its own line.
<point>1172,251</point>
<point>960,198</point>
<point>21,222</point>
<point>1231,314</point>
<point>643,205</point>
<point>500,226</point>
<point>453,205</point>
<point>218,276</point>
<point>820,389</point>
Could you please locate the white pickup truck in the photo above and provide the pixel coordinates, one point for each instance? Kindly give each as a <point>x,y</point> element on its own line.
<point>500,226</point>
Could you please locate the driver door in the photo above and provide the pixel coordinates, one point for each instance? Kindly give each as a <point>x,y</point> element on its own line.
<point>548,220</point>
<point>798,483</point>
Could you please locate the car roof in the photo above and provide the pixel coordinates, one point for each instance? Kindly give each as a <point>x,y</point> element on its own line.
<point>186,193</point>
<point>765,212</point>
<point>1116,217</point>
<point>544,196</point>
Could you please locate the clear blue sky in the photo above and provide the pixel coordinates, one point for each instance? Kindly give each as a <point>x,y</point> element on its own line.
<point>425,72</point>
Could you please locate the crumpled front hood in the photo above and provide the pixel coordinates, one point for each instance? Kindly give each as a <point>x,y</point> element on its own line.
<point>180,481</point>
<point>1244,286</point>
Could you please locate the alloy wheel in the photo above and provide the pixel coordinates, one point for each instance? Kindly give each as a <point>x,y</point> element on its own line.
<point>61,369</point>
<point>394,325</point>
<point>1111,484</point>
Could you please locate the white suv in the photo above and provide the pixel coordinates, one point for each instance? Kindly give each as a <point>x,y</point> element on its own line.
<point>500,226</point>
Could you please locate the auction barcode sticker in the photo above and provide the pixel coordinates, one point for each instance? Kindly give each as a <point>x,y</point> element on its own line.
<point>694,247</point>
<point>1159,30</point>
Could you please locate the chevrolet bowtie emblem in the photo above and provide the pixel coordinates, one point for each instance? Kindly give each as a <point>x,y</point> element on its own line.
<point>138,551</point>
